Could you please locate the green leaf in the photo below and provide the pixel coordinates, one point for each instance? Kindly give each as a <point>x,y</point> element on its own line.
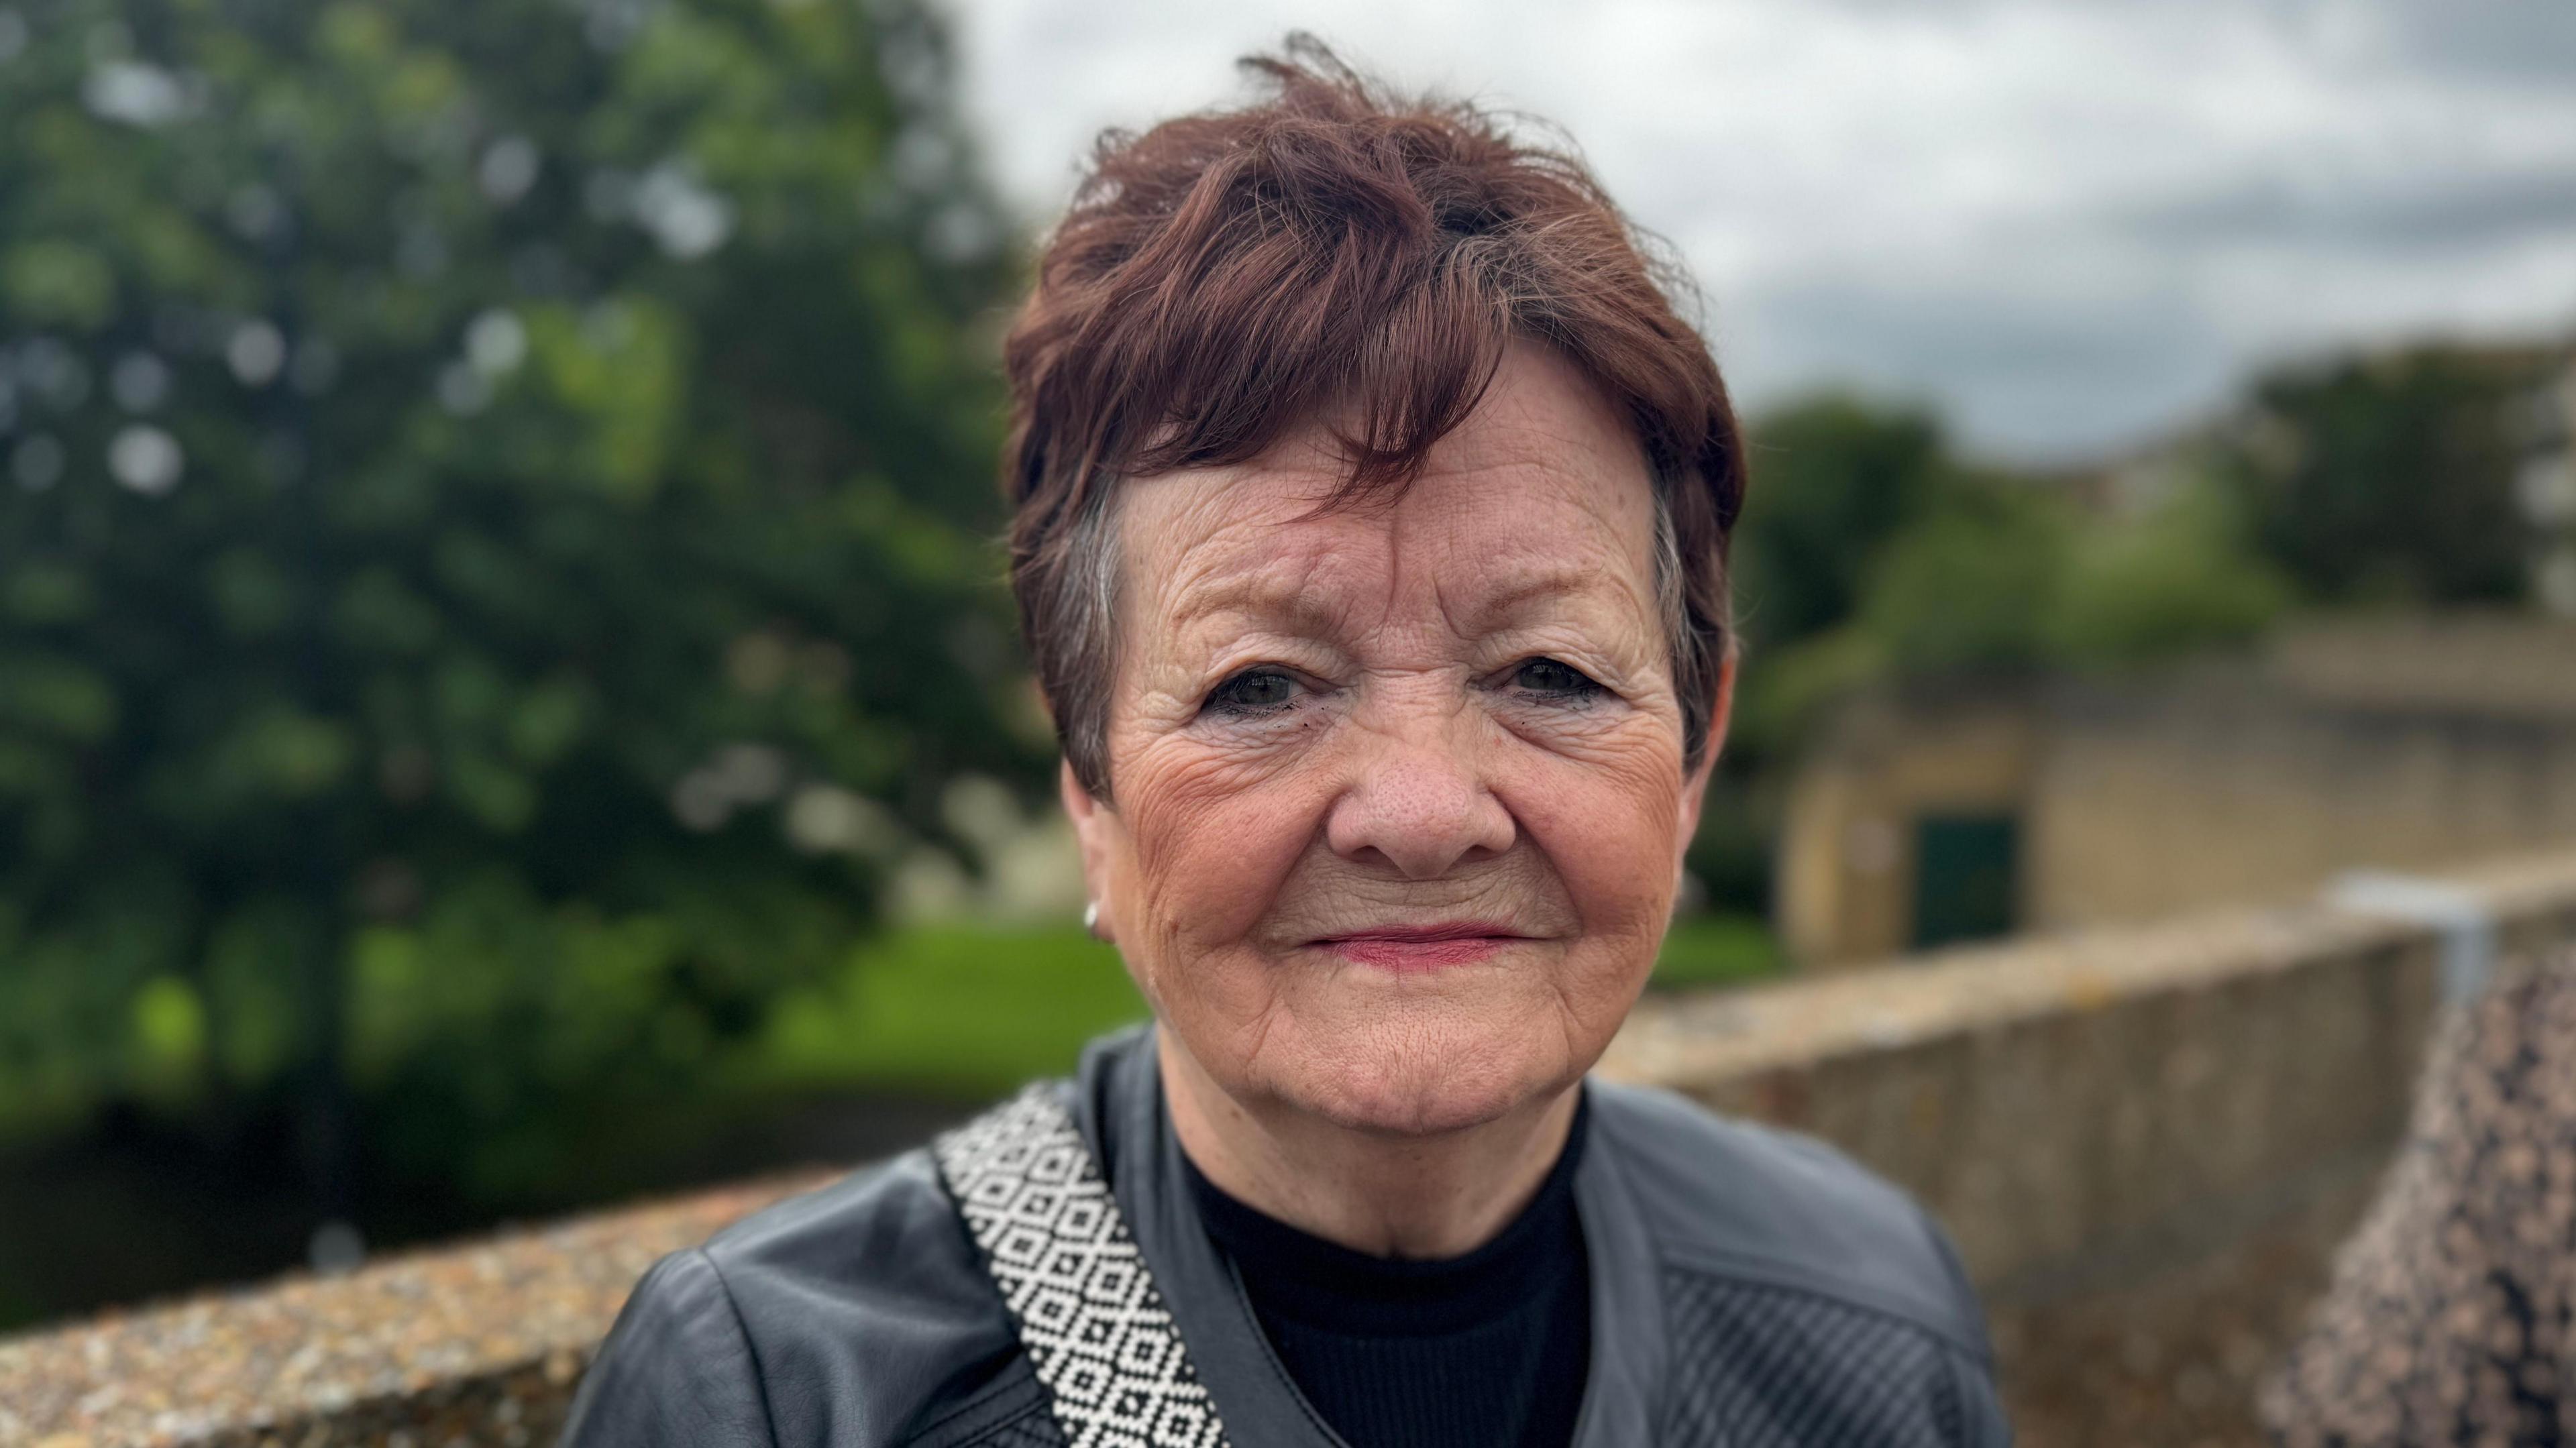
<point>169,1027</point>
<point>288,753</point>
<point>56,696</point>
<point>59,283</point>
<point>252,596</point>
<point>39,593</point>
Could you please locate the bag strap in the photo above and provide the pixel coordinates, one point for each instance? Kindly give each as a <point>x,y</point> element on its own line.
<point>1087,1309</point>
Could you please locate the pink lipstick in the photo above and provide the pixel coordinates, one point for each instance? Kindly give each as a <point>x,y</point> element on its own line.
<point>1423,947</point>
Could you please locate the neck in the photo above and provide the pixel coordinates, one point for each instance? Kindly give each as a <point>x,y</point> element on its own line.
<point>1385,1194</point>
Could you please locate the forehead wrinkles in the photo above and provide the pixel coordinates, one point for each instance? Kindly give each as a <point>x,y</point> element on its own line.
<point>1317,584</point>
<point>1609,564</point>
<point>1347,574</point>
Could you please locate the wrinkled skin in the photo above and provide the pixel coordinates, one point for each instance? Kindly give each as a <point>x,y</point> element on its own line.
<point>1458,707</point>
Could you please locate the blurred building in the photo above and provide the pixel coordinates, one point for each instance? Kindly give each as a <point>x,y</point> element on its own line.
<point>1924,816</point>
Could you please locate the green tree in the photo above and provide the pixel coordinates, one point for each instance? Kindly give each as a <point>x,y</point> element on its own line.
<point>2390,478</point>
<point>491,514</point>
<point>1969,587</point>
<point>1834,478</point>
<point>1982,571</point>
<point>2184,575</point>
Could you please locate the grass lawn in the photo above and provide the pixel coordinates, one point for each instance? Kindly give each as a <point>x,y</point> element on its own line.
<point>961,1008</point>
<point>1717,950</point>
<point>975,1010</point>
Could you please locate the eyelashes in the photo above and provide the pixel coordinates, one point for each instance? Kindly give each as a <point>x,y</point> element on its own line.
<point>1241,696</point>
<point>1570,683</point>
<point>1265,690</point>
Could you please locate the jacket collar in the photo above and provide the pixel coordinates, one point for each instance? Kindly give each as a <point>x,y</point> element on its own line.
<point>1118,1103</point>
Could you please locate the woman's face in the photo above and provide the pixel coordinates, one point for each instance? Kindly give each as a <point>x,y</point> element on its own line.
<point>1454,714</point>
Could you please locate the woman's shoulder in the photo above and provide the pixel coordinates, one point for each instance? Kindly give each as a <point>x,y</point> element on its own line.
<point>1773,1209</point>
<point>856,1313</point>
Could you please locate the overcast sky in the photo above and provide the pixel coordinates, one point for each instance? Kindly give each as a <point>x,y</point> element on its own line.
<point>2069,225</point>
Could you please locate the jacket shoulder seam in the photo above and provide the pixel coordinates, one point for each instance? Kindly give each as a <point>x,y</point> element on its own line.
<point>750,1349</point>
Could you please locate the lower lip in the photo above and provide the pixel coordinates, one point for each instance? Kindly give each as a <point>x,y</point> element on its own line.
<point>1394,954</point>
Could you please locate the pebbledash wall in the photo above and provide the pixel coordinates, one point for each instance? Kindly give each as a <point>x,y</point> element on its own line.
<point>2144,1140</point>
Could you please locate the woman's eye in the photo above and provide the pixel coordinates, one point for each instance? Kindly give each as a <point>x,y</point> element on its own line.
<point>1255,691</point>
<point>1547,676</point>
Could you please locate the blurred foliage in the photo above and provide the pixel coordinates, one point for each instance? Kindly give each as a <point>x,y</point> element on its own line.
<point>1835,478</point>
<point>2186,575</point>
<point>2390,478</point>
<point>492,501</point>
<point>1968,587</point>
<point>1870,552</point>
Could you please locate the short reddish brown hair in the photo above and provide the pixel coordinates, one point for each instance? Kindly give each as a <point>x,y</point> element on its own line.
<point>1227,277</point>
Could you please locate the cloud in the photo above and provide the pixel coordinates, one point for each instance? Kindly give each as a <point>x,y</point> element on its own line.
<point>2405,214</point>
<point>2066,222</point>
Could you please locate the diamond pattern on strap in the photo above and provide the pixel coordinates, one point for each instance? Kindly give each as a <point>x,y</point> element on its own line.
<point>1088,1312</point>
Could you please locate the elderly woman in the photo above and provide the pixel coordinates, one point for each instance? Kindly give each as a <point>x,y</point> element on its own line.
<point>1371,516</point>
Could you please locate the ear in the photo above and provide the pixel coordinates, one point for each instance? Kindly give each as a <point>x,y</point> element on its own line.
<point>1092,824</point>
<point>1695,786</point>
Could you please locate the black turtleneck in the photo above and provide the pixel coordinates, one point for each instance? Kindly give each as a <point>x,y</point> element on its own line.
<point>1465,1352</point>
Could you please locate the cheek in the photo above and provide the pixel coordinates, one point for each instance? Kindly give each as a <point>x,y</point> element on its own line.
<point>1212,841</point>
<point>1606,825</point>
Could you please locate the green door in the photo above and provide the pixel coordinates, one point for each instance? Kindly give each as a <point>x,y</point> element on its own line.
<point>1965,871</point>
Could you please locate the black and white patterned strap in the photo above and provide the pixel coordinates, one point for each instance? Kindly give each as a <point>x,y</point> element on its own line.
<point>1088,1312</point>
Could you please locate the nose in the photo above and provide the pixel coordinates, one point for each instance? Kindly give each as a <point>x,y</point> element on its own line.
<point>1417,800</point>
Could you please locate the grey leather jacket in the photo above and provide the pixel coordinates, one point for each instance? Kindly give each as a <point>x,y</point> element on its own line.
<point>1750,1288</point>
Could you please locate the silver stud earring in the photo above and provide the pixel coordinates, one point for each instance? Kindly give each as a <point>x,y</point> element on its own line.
<point>1091,916</point>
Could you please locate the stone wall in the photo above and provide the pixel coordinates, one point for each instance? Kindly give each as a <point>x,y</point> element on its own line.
<point>2144,1141</point>
<point>480,1343</point>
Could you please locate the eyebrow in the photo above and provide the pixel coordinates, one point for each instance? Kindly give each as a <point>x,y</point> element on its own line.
<point>1253,593</point>
<point>1548,582</point>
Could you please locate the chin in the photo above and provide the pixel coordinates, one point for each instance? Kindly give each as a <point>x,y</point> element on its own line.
<point>1400,1078</point>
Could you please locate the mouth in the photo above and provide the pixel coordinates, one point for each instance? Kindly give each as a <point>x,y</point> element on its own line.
<point>1422,947</point>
